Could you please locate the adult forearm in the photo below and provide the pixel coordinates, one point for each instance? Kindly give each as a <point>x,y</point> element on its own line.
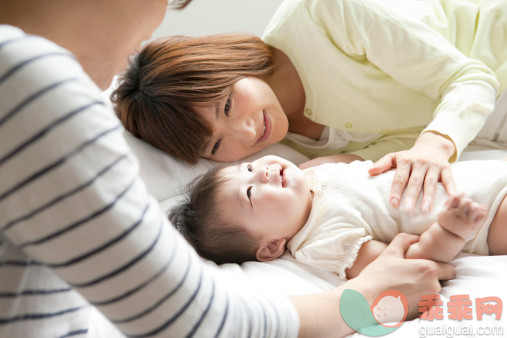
<point>465,108</point>
<point>319,315</point>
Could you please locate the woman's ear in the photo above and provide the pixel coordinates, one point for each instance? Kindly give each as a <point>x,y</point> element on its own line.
<point>271,250</point>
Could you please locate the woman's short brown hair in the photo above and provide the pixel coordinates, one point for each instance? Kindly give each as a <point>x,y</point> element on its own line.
<point>157,94</point>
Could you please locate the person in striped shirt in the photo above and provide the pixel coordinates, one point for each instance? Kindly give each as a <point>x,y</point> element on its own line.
<point>77,226</point>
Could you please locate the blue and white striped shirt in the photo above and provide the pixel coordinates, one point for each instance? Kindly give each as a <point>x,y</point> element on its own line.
<point>75,216</point>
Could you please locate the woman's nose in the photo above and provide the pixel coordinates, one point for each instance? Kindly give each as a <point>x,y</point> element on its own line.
<point>244,131</point>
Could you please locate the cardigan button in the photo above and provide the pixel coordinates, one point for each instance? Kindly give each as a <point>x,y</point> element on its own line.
<point>348,125</point>
<point>308,112</point>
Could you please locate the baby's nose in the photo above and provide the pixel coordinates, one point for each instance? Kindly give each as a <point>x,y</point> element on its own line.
<point>263,174</point>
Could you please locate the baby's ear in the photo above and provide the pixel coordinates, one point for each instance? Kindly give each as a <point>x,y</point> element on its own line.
<point>271,250</point>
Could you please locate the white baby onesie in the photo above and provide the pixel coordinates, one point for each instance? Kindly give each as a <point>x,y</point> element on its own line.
<point>350,207</point>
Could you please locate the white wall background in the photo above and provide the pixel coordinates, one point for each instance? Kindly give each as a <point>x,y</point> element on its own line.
<point>204,17</point>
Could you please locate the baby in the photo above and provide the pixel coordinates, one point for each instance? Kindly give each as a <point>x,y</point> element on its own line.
<point>336,216</point>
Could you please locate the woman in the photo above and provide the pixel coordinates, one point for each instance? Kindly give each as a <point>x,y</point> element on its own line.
<point>400,78</point>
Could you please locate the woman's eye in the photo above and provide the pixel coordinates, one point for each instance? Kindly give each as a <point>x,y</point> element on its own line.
<point>227,106</point>
<point>249,192</point>
<point>215,147</point>
<point>249,168</point>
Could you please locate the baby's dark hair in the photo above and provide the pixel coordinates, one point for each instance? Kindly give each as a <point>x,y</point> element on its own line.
<point>200,222</point>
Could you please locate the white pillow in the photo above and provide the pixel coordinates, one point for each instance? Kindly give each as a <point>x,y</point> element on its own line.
<point>166,177</point>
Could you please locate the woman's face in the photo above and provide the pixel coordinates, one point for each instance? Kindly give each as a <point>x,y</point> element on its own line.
<point>247,120</point>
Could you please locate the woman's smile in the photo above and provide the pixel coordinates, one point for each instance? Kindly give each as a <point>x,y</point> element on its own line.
<point>266,128</point>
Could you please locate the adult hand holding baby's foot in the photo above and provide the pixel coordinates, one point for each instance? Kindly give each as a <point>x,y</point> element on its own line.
<point>462,216</point>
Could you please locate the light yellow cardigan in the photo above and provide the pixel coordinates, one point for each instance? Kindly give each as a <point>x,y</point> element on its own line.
<point>396,67</point>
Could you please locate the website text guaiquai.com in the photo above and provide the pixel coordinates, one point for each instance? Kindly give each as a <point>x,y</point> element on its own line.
<point>461,331</point>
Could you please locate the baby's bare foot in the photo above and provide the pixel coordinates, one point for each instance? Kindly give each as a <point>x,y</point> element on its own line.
<point>462,216</point>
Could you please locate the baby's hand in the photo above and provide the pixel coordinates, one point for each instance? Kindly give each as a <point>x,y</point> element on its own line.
<point>462,216</point>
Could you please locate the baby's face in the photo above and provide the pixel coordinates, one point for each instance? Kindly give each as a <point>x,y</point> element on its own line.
<point>269,197</point>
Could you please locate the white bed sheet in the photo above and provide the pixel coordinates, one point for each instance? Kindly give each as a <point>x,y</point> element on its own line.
<point>477,276</point>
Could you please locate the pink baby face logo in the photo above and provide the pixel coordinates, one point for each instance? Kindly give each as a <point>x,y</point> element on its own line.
<point>390,308</point>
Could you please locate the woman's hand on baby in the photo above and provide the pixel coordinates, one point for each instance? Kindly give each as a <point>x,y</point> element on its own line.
<point>420,167</point>
<point>342,158</point>
<point>413,277</point>
<point>319,313</point>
